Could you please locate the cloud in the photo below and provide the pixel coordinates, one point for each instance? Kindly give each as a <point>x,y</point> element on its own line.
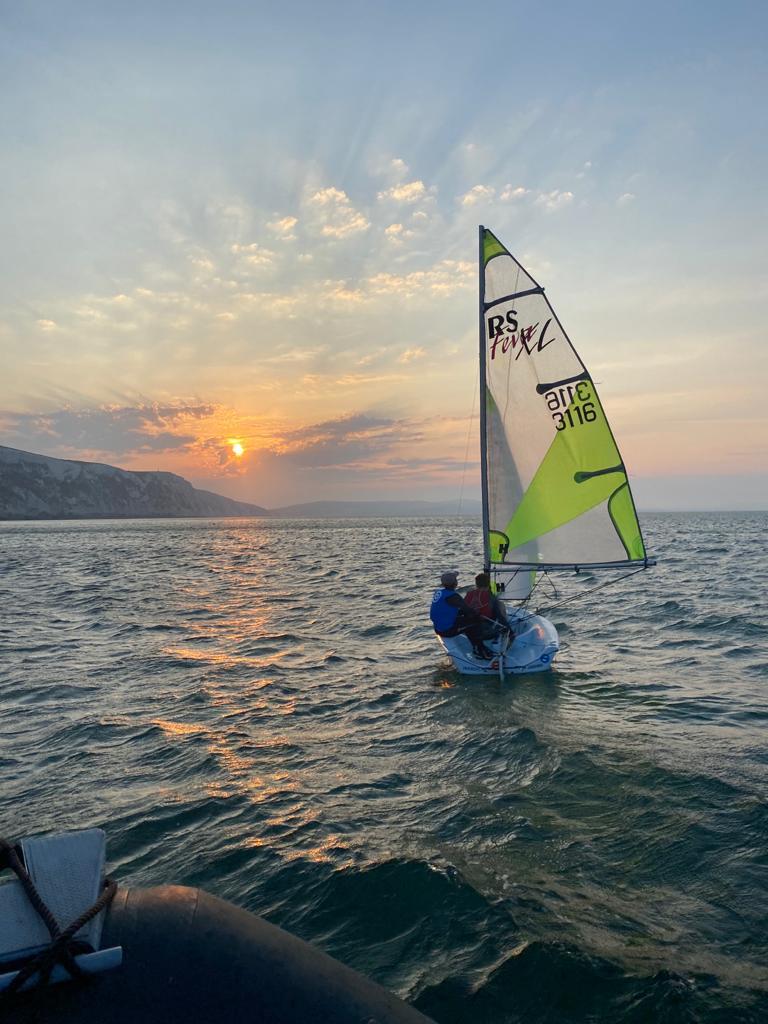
<point>447,277</point>
<point>254,254</point>
<point>46,325</point>
<point>411,452</point>
<point>341,427</point>
<point>478,194</point>
<point>392,169</point>
<point>554,200</point>
<point>329,294</point>
<point>283,228</point>
<point>510,192</point>
<point>335,215</point>
<point>355,438</point>
<point>410,354</point>
<point>398,167</point>
<point>625,199</point>
<point>398,233</point>
<point>409,193</point>
<point>339,294</point>
<point>108,430</point>
<point>297,355</point>
<point>515,193</point>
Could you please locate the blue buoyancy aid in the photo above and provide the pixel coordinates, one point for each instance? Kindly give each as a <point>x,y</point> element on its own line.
<point>442,614</point>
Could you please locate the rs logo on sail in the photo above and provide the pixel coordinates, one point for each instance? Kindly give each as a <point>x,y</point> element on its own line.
<point>503,331</point>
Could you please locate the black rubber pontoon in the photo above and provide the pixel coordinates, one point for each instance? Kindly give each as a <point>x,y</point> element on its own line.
<point>190,957</point>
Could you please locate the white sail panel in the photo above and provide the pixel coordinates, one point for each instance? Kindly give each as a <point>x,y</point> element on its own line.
<point>504,277</point>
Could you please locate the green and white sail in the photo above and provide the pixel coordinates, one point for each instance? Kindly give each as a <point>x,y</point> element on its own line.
<point>555,489</point>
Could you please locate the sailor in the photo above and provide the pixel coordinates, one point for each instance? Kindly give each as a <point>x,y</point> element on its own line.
<point>451,615</point>
<point>487,605</point>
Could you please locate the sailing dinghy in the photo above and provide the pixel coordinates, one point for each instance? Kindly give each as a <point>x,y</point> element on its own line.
<point>555,490</point>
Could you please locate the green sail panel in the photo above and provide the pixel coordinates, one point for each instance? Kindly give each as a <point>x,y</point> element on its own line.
<point>557,488</point>
<point>492,247</point>
<point>574,478</point>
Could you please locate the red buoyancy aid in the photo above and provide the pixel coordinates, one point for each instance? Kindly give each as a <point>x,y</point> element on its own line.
<point>480,601</point>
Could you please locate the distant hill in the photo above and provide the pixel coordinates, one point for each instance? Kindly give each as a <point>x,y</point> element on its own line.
<point>39,487</point>
<point>362,509</point>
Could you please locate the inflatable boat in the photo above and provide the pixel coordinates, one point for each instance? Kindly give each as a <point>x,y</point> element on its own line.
<point>532,649</point>
<point>158,955</point>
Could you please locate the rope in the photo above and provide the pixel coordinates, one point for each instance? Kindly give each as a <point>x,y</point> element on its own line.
<point>539,579</point>
<point>608,583</point>
<point>64,946</point>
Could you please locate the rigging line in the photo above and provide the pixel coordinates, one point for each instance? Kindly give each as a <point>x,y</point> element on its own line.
<point>575,597</point>
<point>536,582</point>
<point>551,582</point>
<point>469,435</point>
<point>540,578</point>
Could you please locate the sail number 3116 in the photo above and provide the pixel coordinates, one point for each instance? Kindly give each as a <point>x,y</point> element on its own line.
<point>569,413</point>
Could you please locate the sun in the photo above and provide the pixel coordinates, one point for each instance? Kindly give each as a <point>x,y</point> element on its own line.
<point>237,449</point>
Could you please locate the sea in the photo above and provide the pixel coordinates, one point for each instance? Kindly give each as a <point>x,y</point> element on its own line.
<point>259,708</point>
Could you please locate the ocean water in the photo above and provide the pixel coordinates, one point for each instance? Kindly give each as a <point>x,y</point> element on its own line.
<point>260,708</point>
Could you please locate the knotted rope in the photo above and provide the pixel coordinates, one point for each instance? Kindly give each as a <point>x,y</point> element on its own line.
<point>64,946</point>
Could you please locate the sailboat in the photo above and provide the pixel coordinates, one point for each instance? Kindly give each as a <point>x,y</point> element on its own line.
<point>556,495</point>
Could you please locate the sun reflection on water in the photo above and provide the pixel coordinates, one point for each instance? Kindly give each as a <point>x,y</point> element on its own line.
<point>180,728</point>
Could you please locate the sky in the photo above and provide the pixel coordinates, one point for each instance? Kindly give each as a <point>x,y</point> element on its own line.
<point>239,239</point>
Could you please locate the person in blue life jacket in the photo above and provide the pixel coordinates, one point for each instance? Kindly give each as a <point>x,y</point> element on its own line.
<point>482,600</point>
<point>451,615</point>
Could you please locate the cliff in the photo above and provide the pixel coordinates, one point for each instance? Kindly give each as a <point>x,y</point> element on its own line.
<point>39,487</point>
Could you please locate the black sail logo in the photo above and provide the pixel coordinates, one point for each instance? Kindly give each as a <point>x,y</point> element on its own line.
<point>504,333</point>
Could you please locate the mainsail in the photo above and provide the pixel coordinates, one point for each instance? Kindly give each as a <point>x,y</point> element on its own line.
<point>555,490</point>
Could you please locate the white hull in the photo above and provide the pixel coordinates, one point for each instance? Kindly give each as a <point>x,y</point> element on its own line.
<point>535,645</point>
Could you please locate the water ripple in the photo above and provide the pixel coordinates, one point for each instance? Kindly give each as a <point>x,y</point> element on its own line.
<point>583,845</point>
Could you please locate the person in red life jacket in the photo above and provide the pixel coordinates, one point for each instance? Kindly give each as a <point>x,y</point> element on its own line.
<point>451,615</point>
<point>483,601</point>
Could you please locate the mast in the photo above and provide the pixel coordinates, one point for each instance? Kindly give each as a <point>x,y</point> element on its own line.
<point>483,439</point>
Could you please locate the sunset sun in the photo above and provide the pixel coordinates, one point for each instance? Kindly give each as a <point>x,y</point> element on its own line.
<point>237,449</point>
